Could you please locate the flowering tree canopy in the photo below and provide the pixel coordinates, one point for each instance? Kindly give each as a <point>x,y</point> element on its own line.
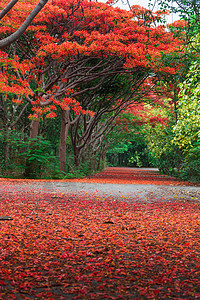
<point>73,42</point>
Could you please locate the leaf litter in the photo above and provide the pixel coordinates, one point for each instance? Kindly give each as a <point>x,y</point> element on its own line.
<point>84,246</point>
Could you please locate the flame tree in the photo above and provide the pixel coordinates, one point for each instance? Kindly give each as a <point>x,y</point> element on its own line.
<point>72,48</point>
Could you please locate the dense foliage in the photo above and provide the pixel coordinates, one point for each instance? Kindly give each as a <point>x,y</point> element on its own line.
<point>177,147</point>
<point>187,129</point>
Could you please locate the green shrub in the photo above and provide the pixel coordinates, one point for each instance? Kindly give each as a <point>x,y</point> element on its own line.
<point>29,158</point>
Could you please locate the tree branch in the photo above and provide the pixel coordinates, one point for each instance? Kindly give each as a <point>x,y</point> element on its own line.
<point>8,7</point>
<point>22,111</point>
<point>13,37</point>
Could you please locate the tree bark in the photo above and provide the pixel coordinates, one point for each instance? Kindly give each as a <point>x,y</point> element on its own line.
<point>93,161</point>
<point>102,157</point>
<point>34,128</point>
<point>65,124</point>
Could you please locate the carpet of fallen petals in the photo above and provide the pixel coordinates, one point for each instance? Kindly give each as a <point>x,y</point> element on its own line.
<point>121,176</point>
<point>133,176</point>
<point>83,246</point>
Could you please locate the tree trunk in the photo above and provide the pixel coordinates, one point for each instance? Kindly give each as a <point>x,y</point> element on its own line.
<point>102,157</point>
<point>34,128</point>
<point>93,161</point>
<point>65,124</point>
<point>30,168</point>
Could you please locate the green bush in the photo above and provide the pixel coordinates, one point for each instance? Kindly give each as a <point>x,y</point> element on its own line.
<point>29,158</point>
<point>191,167</point>
<point>37,157</point>
<point>135,160</point>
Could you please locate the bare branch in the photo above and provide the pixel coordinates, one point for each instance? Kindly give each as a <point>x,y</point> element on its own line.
<point>19,116</point>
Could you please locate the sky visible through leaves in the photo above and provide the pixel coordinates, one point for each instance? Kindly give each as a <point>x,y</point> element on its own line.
<point>145,3</point>
<point>85,246</point>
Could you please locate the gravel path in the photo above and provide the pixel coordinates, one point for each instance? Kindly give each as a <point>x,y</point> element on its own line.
<point>139,192</point>
<point>144,192</point>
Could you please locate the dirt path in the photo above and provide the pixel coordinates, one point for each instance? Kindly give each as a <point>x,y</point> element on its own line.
<point>125,183</point>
